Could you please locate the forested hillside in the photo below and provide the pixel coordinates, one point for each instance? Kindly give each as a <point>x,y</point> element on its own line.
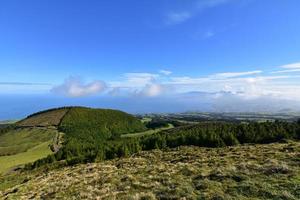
<point>219,134</point>
<point>95,134</point>
<point>85,129</point>
<point>96,124</point>
<point>206,134</point>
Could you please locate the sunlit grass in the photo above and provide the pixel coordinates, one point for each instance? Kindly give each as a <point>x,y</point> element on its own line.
<point>246,172</point>
<point>21,146</point>
<point>148,132</point>
<point>37,152</point>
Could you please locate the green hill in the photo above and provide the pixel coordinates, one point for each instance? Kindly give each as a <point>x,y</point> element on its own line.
<point>40,134</point>
<point>84,123</point>
<point>104,122</point>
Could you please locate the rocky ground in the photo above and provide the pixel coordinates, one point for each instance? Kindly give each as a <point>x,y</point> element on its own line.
<point>270,171</point>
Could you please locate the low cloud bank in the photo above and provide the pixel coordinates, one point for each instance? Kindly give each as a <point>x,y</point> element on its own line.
<point>242,91</point>
<point>74,87</point>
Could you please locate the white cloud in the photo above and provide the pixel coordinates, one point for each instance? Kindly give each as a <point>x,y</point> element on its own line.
<point>140,84</point>
<point>244,84</point>
<point>286,71</point>
<point>214,77</point>
<point>140,79</point>
<point>73,87</point>
<point>165,72</point>
<point>294,67</point>
<point>236,74</point>
<point>186,80</point>
<point>246,87</point>
<point>152,90</point>
<point>133,81</point>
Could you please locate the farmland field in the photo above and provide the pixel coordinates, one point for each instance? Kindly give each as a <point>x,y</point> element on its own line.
<point>21,146</point>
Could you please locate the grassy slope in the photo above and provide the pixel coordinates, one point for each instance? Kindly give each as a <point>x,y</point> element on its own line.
<point>33,154</point>
<point>20,140</point>
<point>25,145</point>
<point>47,118</point>
<point>148,132</point>
<point>269,171</point>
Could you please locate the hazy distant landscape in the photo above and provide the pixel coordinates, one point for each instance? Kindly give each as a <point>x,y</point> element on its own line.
<point>24,105</point>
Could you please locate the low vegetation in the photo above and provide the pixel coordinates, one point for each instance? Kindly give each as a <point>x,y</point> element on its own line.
<point>21,146</point>
<point>45,118</point>
<point>242,172</point>
<point>20,140</point>
<point>150,131</point>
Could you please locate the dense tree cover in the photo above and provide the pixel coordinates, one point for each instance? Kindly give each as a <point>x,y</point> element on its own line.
<point>83,146</point>
<point>83,152</point>
<point>93,134</point>
<point>218,134</point>
<point>157,123</point>
<point>98,124</point>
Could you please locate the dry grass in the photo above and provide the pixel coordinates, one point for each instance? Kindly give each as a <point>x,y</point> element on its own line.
<point>50,118</point>
<point>242,172</point>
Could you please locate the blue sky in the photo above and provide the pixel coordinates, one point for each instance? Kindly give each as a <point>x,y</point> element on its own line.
<point>146,50</point>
